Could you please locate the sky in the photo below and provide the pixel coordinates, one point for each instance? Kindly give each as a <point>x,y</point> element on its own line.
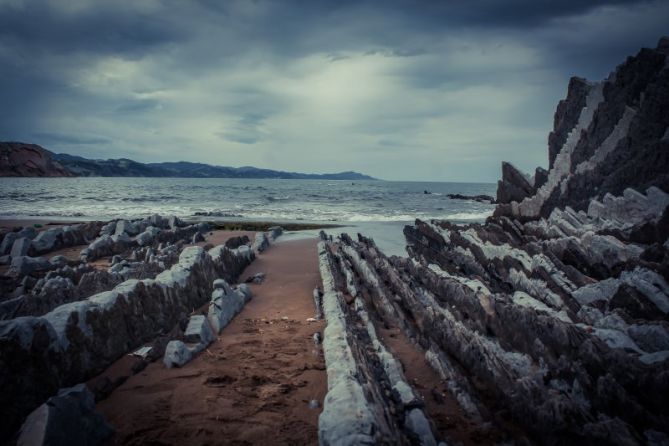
<point>400,90</point>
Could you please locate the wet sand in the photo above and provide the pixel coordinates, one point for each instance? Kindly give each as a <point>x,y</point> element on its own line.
<point>253,385</point>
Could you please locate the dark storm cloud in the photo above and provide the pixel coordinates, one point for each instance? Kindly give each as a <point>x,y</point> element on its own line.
<point>45,27</point>
<point>309,85</point>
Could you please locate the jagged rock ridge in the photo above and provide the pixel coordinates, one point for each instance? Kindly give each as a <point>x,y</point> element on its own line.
<point>550,322</point>
<point>607,136</point>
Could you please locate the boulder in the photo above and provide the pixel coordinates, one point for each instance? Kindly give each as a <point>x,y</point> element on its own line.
<point>100,247</point>
<point>146,237</point>
<point>245,290</point>
<point>514,185</point>
<point>222,284</point>
<point>68,418</point>
<point>20,247</point>
<point>198,331</point>
<point>225,304</point>
<point>27,232</point>
<point>257,278</point>
<point>8,242</point>
<point>197,238</point>
<point>108,229</point>
<point>47,241</point>
<point>24,265</point>
<point>261,242</point>
<point>174,222</point>
<point>158,221</point>
<point>275,232</point>
<point>124,227</point>
<point>59,261</point>
<point>177,354</point>
<point>236,242</point>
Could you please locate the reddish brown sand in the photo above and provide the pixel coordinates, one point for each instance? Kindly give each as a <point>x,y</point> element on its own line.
<point>253,385</point>
<point>442,407</point>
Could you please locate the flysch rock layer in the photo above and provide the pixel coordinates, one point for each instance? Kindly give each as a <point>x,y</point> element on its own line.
<point>550,322</point>
<point>76,341</point>
<point>35,286</point>
<point>608,136</point>
<point>369,400</point>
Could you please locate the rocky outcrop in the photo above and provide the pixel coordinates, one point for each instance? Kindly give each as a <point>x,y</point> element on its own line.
<point>69,417</point>
<point>28,241</point>
<point>369,400</point>
<point>479,198</point>
<point>608,136</point>
<point>120,236</point>
<point>260,243</point>
<point>514,185</point>
<point>34,286</point>
<point>29,160</point>
<point>263,240</point>
<point>226,303</point>
<point>77,340</point>
<point>550,322</point>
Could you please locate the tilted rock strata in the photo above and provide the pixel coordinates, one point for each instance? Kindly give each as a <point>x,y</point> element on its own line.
<point>607,136</point>
<point>369,401</point>
<point>77,340</point>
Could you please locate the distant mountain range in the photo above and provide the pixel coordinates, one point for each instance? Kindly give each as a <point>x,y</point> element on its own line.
<point>30,160</point>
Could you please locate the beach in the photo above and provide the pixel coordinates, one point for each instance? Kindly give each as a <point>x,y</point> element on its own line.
<point>253,384</point>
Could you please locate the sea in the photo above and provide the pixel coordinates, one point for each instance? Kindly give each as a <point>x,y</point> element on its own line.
<point>378,209</point>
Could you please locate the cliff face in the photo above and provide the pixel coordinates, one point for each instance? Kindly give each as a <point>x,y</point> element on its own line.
<point>28,160</point>
<point>607,136</point>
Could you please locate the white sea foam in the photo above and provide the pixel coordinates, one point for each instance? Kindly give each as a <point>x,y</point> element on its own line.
<point>342,201</point>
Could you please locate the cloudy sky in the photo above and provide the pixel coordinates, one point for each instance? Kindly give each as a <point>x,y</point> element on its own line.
<point>422,90</point>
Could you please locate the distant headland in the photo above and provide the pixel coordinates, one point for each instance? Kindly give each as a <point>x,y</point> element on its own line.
<point>19,159</point>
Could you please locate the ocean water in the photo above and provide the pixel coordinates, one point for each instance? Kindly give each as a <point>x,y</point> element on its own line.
<point>376,208</point>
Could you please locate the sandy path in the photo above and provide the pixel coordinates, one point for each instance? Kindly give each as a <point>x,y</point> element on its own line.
<point>253,385</point>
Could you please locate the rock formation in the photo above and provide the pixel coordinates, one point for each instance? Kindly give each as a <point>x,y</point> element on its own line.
<point>67,418</point>
<point>608,136</point>
<point>29,160</point>
<point>68,321</point>
<point>550,322</point>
